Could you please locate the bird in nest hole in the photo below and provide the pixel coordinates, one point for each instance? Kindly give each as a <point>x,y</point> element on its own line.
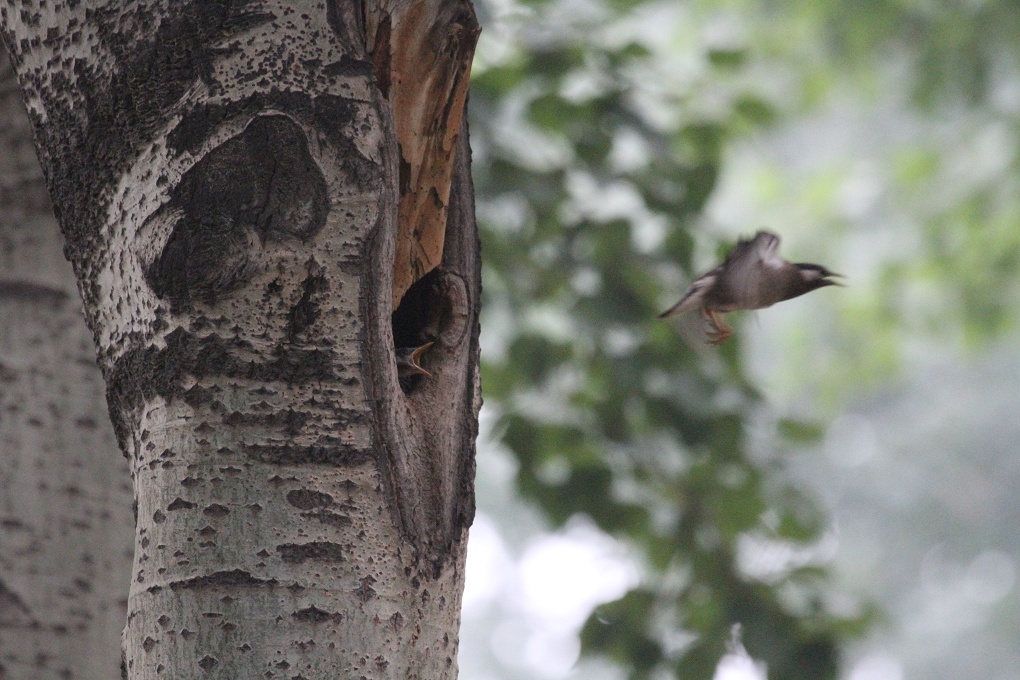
<point>409,361</point>
<point>753,276</point>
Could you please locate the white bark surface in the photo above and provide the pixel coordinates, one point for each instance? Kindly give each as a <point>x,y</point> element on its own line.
<point>65,493</point>
<point>226,177</point>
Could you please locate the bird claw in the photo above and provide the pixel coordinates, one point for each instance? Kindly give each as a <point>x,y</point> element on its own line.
<point>719,331</point>
<point>716,339</point>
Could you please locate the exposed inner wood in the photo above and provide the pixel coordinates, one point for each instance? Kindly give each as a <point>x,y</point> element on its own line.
<point>422,55</point>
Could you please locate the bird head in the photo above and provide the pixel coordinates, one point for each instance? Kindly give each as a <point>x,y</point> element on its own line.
<point>812,277</point>
<point>408,361</point>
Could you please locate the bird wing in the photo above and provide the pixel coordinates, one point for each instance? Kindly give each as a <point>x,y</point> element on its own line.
<point>750,267</point>
<point>692,299</point>
<point>763,247</point>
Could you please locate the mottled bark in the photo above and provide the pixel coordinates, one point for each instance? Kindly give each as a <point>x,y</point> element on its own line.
<point>65,494</point>
<point>227,177</point>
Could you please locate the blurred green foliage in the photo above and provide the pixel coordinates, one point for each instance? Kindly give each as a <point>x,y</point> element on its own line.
<point>597,143</point>
<point>601,128</point>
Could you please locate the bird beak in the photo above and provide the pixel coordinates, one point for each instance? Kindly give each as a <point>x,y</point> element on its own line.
<point>416,357</point>
<point>835,283</point>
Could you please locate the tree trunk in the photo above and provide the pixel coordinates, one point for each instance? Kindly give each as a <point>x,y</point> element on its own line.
<point>230,179</point>
<point>65,494</point>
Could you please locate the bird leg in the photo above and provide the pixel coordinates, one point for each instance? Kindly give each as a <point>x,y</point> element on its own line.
<point>720,331</point>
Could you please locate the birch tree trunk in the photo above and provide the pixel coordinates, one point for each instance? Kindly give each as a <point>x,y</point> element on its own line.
<point>233,181</point>
<point>65,495</point>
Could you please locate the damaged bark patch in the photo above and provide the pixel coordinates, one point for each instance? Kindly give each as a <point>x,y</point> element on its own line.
<point>261,186</point>
<point>296,553</point>
<point>422,53</point>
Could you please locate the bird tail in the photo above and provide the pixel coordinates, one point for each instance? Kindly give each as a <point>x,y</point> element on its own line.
<point>672,311</point>
<point>695,295</point>
<point>687,303</point>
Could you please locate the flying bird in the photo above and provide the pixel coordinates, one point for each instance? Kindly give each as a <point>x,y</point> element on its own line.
<point>753,276</point>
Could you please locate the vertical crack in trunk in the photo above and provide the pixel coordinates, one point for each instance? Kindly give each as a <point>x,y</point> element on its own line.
<point>421,51</point>
<point>427,430</point>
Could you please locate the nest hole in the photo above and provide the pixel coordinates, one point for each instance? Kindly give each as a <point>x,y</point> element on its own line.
<point>416,320</point>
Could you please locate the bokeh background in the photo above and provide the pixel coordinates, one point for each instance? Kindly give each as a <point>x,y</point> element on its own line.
<point>832,494</point>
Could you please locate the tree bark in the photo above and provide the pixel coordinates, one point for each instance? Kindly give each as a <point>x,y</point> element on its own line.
<point>228,179</point>
<point>65,494</point>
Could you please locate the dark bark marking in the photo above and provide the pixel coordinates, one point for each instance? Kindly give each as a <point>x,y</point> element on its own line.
<point>309,455</point>
<point>13,610</point>
<point>296,553</point>
<point>334,116</point>
<point>230,579</point>
<point>207,663</point>
<point>289,421</point>
<point>260,186</point>
<point>181,504</point>
<point>337,118</point>
<point>143,373</point>
<point>306,499</point>
<point>216,510</point>
<point>301,366</point>
<point>313,614</point>
<point>333,519</point>
<point>197,396</point>
<point>347,21</point>
<point>382,56</point>
<point>347,66</point>
<point>365,591</point>
<point>306,311</point>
